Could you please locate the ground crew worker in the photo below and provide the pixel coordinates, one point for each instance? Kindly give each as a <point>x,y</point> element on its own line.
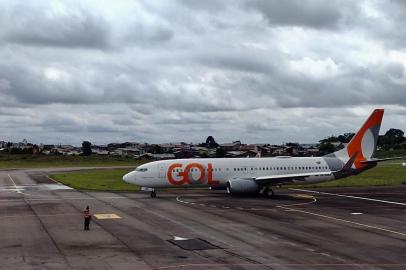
<point>87,216</point>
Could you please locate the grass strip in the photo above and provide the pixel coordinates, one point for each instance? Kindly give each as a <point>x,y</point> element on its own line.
<point>101,180</point>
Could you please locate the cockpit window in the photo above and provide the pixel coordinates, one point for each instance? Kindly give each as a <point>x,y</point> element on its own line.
<point>141,169</point>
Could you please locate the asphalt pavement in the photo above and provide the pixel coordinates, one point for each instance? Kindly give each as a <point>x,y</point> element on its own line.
<point>353,228</point>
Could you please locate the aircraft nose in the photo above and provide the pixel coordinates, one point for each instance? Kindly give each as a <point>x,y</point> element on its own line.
<point>129,178</point>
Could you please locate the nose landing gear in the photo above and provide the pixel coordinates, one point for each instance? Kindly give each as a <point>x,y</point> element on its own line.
<point>153,194</point>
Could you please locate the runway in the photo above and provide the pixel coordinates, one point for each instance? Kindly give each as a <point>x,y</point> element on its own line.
<point>353,228</point>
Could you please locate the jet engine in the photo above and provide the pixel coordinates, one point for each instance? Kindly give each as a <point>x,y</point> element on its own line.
<point>242,186</point>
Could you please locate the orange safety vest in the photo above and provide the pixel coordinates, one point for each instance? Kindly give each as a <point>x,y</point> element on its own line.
<point>87,214</point>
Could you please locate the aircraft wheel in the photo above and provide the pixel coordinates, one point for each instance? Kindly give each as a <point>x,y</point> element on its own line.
<point>268,192</point>
<point>153,194</point>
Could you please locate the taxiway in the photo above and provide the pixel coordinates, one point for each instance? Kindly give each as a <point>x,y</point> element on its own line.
<point>355,228</point>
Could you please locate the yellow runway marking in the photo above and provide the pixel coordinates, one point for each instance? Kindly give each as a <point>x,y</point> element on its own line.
<point>107,216</point>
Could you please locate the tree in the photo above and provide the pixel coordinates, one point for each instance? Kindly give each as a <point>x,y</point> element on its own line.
<point>220,152</point>
<point>346,137</point>
<point>158,149</point>
<point>329,139</point>
<point>393,138</point>
<point>397,134</point>
<point>86,148</point>
<point>211,143</point>
<point>326,148</point>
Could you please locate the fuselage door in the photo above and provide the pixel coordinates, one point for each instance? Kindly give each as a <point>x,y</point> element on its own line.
<point>161,171</point>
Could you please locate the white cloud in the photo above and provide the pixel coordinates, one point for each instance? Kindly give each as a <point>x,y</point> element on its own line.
<point>317,68</point>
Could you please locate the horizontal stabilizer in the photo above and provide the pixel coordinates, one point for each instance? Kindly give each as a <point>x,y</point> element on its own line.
<point>376,160</point>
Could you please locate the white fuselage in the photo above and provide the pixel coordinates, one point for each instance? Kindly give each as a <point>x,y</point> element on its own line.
<point>217,172</point>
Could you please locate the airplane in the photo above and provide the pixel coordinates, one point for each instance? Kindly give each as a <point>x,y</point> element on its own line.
<point>259,175</point>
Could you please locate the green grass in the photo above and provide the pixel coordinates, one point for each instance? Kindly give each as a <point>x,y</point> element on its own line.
<point>8,161</point>
<point>389,173</point>
<point>102,180</point>
<point>392,153</point>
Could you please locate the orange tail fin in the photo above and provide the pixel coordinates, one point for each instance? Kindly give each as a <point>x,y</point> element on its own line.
<point>364,142</point>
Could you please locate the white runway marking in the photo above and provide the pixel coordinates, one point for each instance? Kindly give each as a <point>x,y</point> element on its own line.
<point>15,186</point>
<point>313,200</point>
<point>288,209</point>
<point>345,221</point>
<point>348,196</point>
<point>60,199</point>
<point>21,189</point>
<point>41,215</point>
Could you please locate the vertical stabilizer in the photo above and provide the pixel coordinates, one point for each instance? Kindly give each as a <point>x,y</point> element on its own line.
<point>364,142</point>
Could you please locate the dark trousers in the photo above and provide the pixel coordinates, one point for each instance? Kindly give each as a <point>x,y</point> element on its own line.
<point>87,222</point>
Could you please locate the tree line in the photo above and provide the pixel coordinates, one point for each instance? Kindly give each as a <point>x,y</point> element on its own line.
<point>393,139</point>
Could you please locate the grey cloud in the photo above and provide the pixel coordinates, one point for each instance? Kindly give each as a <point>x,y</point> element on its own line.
<point>166,81</point>
<point>237,61</point>
<point>148,35</point>
<point>309,13</point>
<point>209,6</point>
<point>39,25</point>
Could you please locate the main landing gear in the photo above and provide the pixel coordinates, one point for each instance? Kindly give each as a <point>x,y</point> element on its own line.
<point>267,192</point>
<point>153,194</point>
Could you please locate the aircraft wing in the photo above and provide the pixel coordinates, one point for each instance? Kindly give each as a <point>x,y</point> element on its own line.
<point>279,179</point>
<point>286,178</point>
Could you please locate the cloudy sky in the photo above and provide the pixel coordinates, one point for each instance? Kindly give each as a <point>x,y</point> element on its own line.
<point>168,71</point>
